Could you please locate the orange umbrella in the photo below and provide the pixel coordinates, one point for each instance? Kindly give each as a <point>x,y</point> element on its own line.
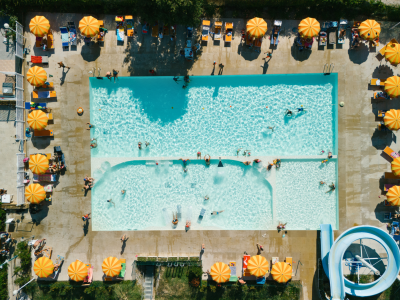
<point>77,271</point>
<point>369,29</point>
<point>38,163</point>
<point>43,267</point>
<point>392,54</point>
<point>258,266</point>
<point>392,86</point>
<point>39,26</point>
<point>392,119</point>
<point>111,266</point>
<point>396,166</point>
<point>35,193</point>
<point>309,27</point>
<point>37,120</point>
<point>393,195</point>
<point>220,272</point>
<point>89,26</point>
<point>256,27</point>
<point>281,272</point>
<point>36,76</point>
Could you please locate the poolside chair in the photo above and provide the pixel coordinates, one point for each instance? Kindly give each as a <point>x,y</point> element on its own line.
<point>382,51</point>
<point>260,280</point>
<point>205,30</point>
<point>289,261</point>
<point>391,153</point>
<point>42,105</point>
<point>342,26</point>
<point>45,86</point>
<point>72,33</point>
<point>129,26</point>
<point>120,34</point>
<point>44,94</point>
<point>381,96</point>
<point>245,260</point>
<point>189,32</point>
<point>43,133</point>
<point>64,37</point>
<point>166,30</point>
<point>145,28</point>
<point>275,32</point>
<point>381,113</point>
<point>39,59</point>
<point>332,37</point>
<point>38,42</point>
<point>59,261</point>
<point>154,30</point>
<point>217,31</point>
<point>390,175</point>
<point>201,216</point>
<point>50,41</point>
<point>47,252</point>
<point>377,82</point>
<point>228,32</point>
<point>232,267</point>
<point>45,177</point>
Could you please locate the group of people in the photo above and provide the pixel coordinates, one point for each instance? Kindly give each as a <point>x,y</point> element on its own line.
<point>245,152</point>
<point>289,113</point>
<point>114,74</point>
<point>140,144</point>
<point>88,182</point>
<point>6,242</point>
<point>185,79</point>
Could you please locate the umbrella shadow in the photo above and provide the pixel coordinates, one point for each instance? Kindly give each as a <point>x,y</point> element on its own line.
<point>382,72</point>
<point>90,52</point>
<point>360,54</point>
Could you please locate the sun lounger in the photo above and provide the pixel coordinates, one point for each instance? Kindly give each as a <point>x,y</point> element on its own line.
<point>342,26</point>
<point>275,32</point>
<point>43,133</point>
<point>72,33</point>
<point>154,30</point>
<point>100,38</point>
<point>41,105</point>
<point>88,280</point>
<point>45,86</point>
<point>64,36</point>
<point>289,261</point>
<point>386,187</point>
<point>47,251</point>
<point>245,260</point>
<point>129,26</point>
<point>38,42</point>
<point>260,280</point>
<point>232,267</point>
<point>59,261</point>
<point>228,32</point>
<point>39,59</point>
<point>393,154</point>
<point>50,41</point>
<point>119,19</point>
<point>44,177</point>
<point>189,32</point>
<point>323,37</point>
<point>275,260</point>
<point>381,113</point>
<point>382,51</point>
<point>44,94</point>
<point>377,82</point>
<point>166,30</point>
<point>217,30</point>
<point>205,30</point>
<point>390,175</point>
<point>332,37</point>
<point>123,268</point>
<point>120,34</point>
<point>381,95</point>
<point>258,42</point>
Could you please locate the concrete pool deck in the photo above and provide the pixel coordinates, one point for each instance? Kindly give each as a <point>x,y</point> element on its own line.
<point>360,145</point>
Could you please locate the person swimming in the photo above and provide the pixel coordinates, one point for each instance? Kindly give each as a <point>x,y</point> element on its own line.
<point>206,198</point>
<point>184,161</point>
<point>140,146</point>
<point>207,158</point>
<point>216,212</point>
<point>246,163</point>
<point>272,128</point>
<point>289,113</point>
<point>147,144</point>
<point>257,160</point>
<point>238,151</point>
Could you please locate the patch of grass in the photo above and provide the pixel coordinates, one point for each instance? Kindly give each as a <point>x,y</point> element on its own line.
<point>172,259</point>
<point>184,258</point>
<point>142,258</point>
<point>152,258</point>
<point>194,258</point>
<point>162,258</point>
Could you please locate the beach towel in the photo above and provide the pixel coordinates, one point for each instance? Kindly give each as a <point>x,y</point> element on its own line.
<point>123,269</point>
<point>232,266</point>
<point>120,34</point>
<point>245,260</point>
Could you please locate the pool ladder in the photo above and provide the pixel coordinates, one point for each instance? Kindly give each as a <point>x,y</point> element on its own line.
<point>328,68</point>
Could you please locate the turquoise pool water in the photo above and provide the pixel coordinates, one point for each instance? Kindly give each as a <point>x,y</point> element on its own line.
<point>215,115</point>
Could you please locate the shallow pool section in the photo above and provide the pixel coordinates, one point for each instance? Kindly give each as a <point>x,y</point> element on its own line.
<point>155,192</point>
<point>215,115</point>
<point>301,200</point>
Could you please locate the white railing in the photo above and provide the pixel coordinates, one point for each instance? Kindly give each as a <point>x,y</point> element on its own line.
<point>19,47</point>
<point>20,179</point>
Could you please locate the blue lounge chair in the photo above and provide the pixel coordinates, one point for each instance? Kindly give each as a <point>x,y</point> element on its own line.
<point>189,32</point>
<point>72,33</point>
<point>28,105</point>
<point>64,36</point>
<point>260,280</point>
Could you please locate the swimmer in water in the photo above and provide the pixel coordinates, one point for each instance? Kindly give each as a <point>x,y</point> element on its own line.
<point>257,160</point>
<point>238,151</point>
<point>123,192</point>
<point>206,198</point>
<point>199,154</point>
<point>184,161</point>
<point>185,170</point>
<point>332,187</point>
<point>176,79</point>
<point>322,182</point>
<point>147,144</point>
<point>269,166</point>
<point>246,163</point>
<point>289,113</point>
<point>207,158</point>
<point>216,212</point>
<point>272,128</point>
<point>140,146</point>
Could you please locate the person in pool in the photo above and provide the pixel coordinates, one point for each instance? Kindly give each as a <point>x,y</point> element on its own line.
<point>269,166</point>
<point>246,163</point>
<point>176,79</point>
<point>206,198</point>
<point>238,151</point>
<point>147,144</point>
<point>332,187</point>
<point>207,158</point>
<point>184,161</point>
<point>330,155</point>
<point>175,219</point>
<point>289,113</point>
<point>300,109</point>
<point>214,213</point>
<point>140,145</point>
<point>199,154</point>
<point>257,160</point>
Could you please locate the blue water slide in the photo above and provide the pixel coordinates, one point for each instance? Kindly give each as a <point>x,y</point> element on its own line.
<point>332,256</point>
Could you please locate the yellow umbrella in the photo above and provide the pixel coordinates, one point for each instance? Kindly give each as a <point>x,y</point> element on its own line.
<point>220,272</point>
<point>39,26</point>
<point>258,266</point>
<point>392,86</point>
<point>393,195</point>
<point>43,267</point>
<point>111,266</point>
<point>392,119</point>
<point>38,163</point>
<point>256,27</point>
<point>396,166</point>
<point>281,272</point>
<point>309,27</point>
<point>392,54</point>
<point>35,193</point>
<point>89,26</point>
<point>77,271</point>
<point>36,76</point>
<point>369,29</point>
<point>37,120</point>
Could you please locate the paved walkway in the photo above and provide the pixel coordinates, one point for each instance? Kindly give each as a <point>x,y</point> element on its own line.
<point>360,145</point>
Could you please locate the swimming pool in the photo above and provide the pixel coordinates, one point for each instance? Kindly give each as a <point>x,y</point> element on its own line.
<point>215,115</point>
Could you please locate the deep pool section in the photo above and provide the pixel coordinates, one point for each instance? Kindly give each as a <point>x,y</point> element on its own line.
<point>154,192</point>
<point>215,115</point>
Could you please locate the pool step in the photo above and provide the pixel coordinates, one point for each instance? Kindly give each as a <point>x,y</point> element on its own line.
<point>148,283</point>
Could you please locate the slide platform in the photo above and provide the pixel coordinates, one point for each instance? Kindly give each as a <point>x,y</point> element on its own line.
<point>332,256</point>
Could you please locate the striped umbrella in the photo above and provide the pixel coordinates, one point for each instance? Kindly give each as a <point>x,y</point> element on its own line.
<point>369,29</point>
<point>35,193</point>
<point>309,27</point>
<point>220,272</point>
<point>392,54</point>
<point>36,76</point>
<point>258,266</point>
<point>393,195</point>
<point>281,272</point>
<point>256,27</point>
<point>39,26</point>
<point>396,166</point>
<point>37,120</point>
<point>89,26</point>
<point>38,164</point>
<point>111,266</point>
<point>43,267</point>
<point>392,86</point>
<point>392,119</point>
<point>77,271</point>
